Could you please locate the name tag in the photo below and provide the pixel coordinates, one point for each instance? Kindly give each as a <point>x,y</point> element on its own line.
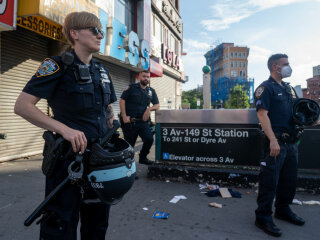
<point>105,80</point>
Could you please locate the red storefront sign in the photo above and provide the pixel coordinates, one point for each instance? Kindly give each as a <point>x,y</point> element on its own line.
<point>156,70</point>
<point>8,14</point>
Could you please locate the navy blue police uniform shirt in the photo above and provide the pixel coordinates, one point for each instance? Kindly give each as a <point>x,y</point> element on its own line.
<point>138,99</point>
<point>278,101</point>
<point>79,106</point>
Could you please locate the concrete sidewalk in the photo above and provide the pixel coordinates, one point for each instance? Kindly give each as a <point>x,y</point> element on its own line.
<point>22,189</point>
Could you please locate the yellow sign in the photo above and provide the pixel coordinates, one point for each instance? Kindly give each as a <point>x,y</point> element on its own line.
<point>55,10</point>
<point>41,25</point>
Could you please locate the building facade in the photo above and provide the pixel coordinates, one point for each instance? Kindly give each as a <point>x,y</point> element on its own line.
<point>313,86</point>
<point>166,48</point>
<point>229,64</point>
<point>32,31</point>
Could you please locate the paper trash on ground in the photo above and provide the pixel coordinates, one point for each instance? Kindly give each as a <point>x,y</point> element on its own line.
<point>311,202</point>
<point>296,201</point>
<point>217,205</point>
<point>176,199</point>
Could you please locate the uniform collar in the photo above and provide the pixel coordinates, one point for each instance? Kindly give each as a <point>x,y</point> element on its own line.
<point>271,79</point>
<point>78,61</point>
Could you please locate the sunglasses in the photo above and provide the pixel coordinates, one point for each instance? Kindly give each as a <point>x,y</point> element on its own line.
<point>95,31</point>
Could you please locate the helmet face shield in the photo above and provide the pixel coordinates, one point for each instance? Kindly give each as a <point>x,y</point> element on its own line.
<point>305,112</point>
<point>111,171</point>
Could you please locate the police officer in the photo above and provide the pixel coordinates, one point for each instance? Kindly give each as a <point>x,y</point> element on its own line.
<point>135,113</point>
<point>278,165</point>
<point>80,94</point>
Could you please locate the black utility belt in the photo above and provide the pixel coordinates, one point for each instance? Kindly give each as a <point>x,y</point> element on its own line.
<point>134,119</point>
<point>286,137</point>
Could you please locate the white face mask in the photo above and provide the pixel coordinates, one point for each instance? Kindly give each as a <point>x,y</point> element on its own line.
<point>285,71</point>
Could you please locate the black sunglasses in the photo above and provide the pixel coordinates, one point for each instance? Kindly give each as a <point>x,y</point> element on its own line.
<point>95,31</point>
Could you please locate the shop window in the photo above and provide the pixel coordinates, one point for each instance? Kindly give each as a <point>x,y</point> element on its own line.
<point>157,29</point>
<point>172,43</point>
<point>177,47</point>
<point>124,12</point>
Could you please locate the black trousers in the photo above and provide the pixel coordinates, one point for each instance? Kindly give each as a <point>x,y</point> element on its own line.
<point>131,131</point>
<point>66,206</point>
<point>277,178</point>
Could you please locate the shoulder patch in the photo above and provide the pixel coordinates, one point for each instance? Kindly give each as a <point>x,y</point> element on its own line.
<point>259,91</point>
<point>127,88</point>
<point>47,67</point>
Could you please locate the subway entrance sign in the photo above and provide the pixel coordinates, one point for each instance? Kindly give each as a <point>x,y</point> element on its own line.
<point>226,138</point>
<point>210,144</point>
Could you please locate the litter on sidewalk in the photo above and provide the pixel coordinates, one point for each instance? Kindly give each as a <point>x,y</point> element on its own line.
<point>311,202</point>
<point>160,215</point>
<point>176,199</point>
<point>296,201</point>
<point>145,208</point>
<point>224,192</point>
<point>208,186</point>
<point>216,205</point>
<point>216,192</point>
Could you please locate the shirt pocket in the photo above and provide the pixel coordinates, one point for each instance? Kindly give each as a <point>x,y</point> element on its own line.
<point>81,97</point>
<point>279,102</point>
<point>136,98</point>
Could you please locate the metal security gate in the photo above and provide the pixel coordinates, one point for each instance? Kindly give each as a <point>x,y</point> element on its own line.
<point>121,78</point>
<point>22,52</point>
<point>165,87</point>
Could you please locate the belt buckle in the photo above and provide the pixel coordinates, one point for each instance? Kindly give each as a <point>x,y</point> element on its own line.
<point>285,137</point>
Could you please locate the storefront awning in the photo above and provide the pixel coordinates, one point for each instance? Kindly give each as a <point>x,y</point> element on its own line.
<point>156,70</point>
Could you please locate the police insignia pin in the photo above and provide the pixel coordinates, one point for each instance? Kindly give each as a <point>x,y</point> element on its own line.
<point>293,93</point>
<point>47,67</point>
<point>259,91</point>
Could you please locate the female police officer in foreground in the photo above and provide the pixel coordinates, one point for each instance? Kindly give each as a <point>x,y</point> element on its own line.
<point>80,94</point>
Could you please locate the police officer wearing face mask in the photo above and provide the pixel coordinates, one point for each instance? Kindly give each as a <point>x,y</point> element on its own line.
<point>135,113</point>
<point>80,92</point>
<point>278,165</point>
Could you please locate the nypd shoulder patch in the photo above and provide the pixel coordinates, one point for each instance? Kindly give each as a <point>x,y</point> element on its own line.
<point>47,67</point>
<point>259,91</point>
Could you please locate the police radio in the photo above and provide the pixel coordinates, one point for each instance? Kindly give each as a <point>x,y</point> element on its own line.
<point>67,59</point>
<point>83,74</point>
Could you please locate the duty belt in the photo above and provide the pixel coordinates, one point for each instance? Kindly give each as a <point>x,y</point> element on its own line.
<point>286,137</point>
<point>136,120</point>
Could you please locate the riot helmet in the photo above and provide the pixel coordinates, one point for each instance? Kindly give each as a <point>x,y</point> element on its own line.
<point>111,170</point>
<point>305,112</point>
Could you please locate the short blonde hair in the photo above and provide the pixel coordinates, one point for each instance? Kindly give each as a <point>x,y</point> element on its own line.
<point>79,20</point>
